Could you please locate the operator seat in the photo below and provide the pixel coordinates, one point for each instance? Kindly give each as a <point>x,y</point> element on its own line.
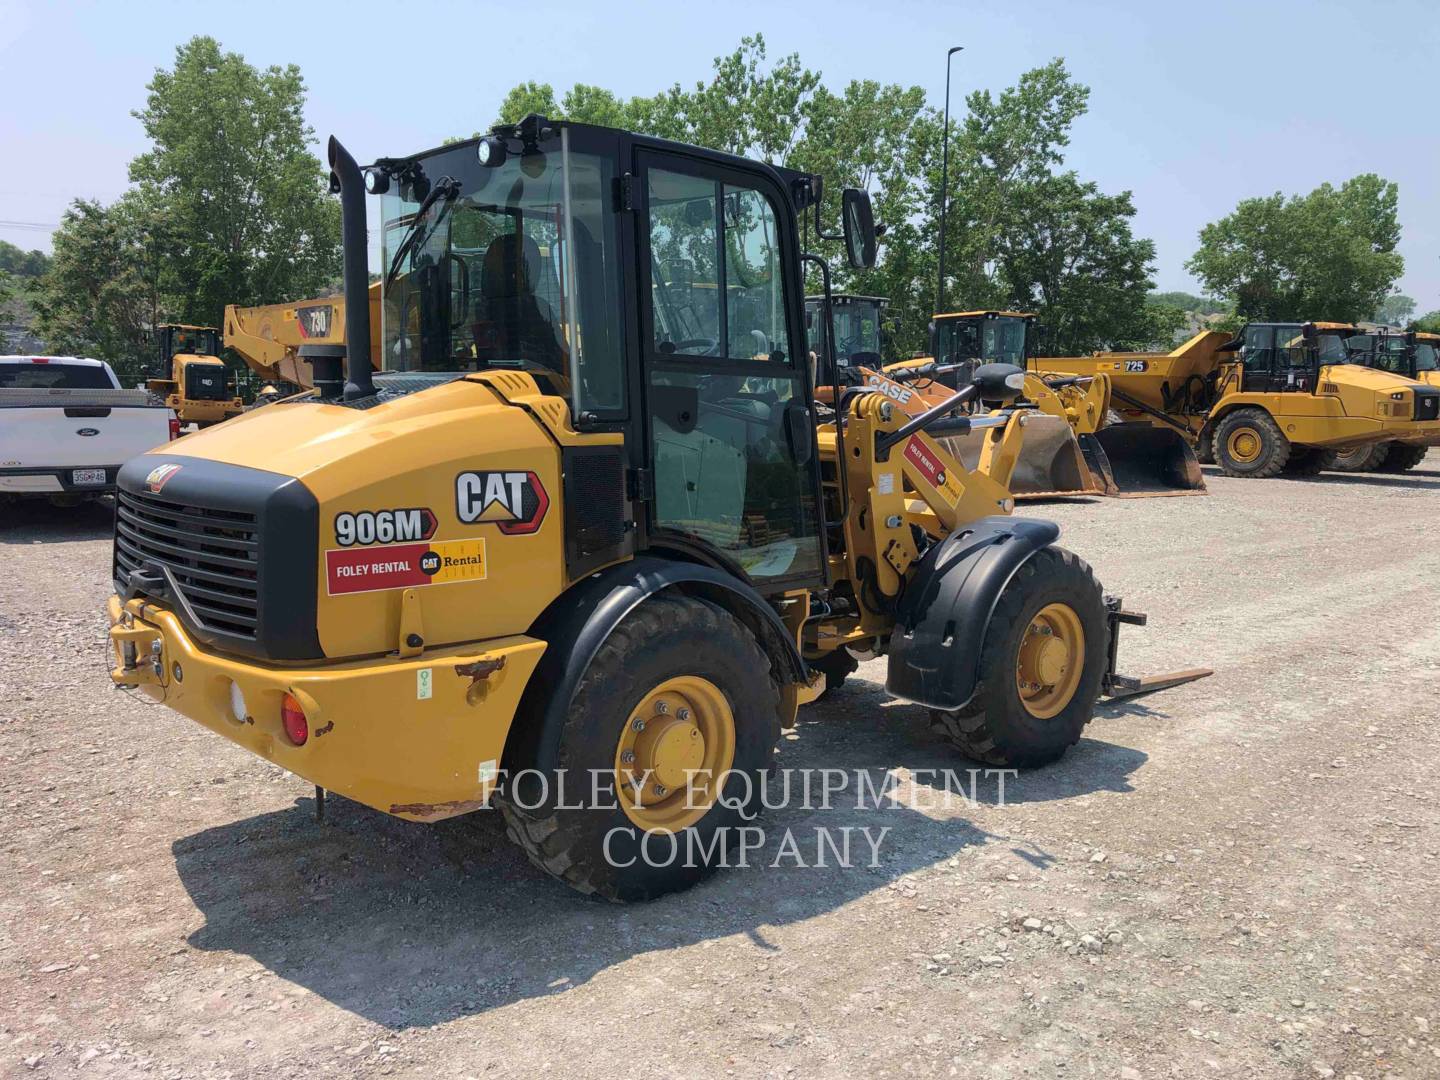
<point>511,322</point>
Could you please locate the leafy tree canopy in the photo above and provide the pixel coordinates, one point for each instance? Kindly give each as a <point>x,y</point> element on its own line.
<point>1326,255</point>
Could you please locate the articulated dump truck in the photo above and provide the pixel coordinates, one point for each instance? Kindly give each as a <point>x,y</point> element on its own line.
<point>592,542</point>
<point>1414,355</point>
<point>1274,398</point>
<point>269,337</point>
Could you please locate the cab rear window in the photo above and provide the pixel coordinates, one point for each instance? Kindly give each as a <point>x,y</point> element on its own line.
<point>53,377</point>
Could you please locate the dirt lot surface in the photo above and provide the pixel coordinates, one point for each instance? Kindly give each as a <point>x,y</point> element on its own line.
<point>1240,877</point>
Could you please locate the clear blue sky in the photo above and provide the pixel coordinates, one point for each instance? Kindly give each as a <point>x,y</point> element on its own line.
<point>1193,107</point>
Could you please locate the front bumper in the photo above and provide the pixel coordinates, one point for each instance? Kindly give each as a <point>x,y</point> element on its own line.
<point>418,737</point>
<point>58,480</point>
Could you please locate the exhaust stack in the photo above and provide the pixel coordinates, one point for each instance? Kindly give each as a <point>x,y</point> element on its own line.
<point>345,178</point>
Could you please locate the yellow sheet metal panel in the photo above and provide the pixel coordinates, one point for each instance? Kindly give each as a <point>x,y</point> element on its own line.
<point>421,738</point>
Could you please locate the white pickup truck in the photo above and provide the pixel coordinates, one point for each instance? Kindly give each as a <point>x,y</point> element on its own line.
<point>66,427</point>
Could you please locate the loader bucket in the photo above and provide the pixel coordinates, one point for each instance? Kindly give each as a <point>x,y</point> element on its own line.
<point>1139,460</point>
<point>1051,464</point>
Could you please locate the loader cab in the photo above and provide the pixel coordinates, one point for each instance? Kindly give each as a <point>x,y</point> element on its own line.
<point>860,331</point>
<point>972,338</point>
<point>1287,357</point>
<point>657,289</point>
<point>1427,357</point>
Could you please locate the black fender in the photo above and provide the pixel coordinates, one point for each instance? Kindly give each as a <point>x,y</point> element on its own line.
<point>578,622</point>
<point>942,617</point>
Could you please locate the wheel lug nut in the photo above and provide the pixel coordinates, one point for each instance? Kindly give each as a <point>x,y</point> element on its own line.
<point>637,724</point>
<point>661,708</point>
<point>628,757</point>
<point>682,714</point>
<point>661,790</point>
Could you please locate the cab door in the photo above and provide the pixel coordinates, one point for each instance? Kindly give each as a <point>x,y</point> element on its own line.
<point>731,440</point>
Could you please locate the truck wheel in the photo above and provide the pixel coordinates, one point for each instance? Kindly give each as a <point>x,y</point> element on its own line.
<point>1249,443</point>
<point>1402,457</point>
<point>1309,461</point>
<point>1040,667</point>
<point>1362,458</point>
<point>674,724</point>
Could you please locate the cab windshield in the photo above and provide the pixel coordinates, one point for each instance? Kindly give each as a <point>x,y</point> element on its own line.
<point>1427,356</point>
<point>857,330</point>
<point>192,342</point>
<point>999,340</point>
<point>512,266</point>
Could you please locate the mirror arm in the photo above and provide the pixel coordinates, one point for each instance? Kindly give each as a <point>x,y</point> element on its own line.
<point>821,233</point>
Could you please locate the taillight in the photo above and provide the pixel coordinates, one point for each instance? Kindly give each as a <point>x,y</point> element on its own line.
<point>293,717</point>
<point>174,427</point>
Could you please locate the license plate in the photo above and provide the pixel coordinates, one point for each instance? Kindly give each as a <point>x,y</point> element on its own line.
<point>87,476</point>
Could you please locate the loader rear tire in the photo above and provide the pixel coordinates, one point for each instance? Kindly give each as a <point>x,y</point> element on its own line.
<point>1362,458</point>
<point>1249,443</point>
<point>1309,461</point>
<point>674,664</point>
<point>1021,719</point>
<point>1402,457</point>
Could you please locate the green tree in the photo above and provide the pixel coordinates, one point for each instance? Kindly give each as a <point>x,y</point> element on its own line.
<point>1183,301</point>
<point>1395,310</point>
<point>22,264</point>
<point>1430,323</point>
<point>1326,255</point>
<point>232,174</point>
<point>101,294</point>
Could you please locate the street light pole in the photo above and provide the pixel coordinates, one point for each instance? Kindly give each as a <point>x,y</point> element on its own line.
<point>944,184</point>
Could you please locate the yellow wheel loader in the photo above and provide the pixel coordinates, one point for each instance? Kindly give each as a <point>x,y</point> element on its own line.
<point>590,545</point>
<point>192,377</point>
<point>1274,398</point>
<point>1072,447</point>
<point>1411,355</point>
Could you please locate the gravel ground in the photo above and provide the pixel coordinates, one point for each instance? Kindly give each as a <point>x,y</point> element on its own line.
<point>1239,877</point>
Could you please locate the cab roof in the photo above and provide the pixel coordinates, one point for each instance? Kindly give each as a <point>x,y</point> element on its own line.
<point>986,314</point>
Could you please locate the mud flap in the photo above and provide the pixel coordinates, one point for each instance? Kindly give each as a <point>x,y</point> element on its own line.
<point>946,609</point>
<point>1051,463</point>
<point>1140,460</point>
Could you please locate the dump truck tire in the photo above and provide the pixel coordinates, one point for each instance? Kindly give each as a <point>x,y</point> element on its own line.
<point>1309,462</point>
<point>1053,596</point>
<point>1402,458</point>
<point>1362,458</point>
<point>1249,443</point>
<point>673,655</point>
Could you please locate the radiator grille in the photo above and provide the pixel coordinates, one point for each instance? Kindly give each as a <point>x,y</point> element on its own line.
<point>211,554</point>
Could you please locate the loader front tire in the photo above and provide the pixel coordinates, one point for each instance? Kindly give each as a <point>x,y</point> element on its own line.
<point>1402,457</point>
<point>836,666</point>
<point>680,697</point>
<point>1362,458</point>
<point>1041,666</point>
<point>1249,443</point>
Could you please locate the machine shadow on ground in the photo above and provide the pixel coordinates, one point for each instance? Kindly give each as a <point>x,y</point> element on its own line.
<point>35,521</point>
<point>411,925</point>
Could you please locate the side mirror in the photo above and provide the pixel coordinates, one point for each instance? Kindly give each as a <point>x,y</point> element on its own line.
<point>859,221</point>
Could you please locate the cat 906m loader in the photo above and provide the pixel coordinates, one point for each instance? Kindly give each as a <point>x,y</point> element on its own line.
<point>593,542</point>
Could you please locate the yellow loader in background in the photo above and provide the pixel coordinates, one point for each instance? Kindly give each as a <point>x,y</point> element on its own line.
<point>191,376</point>
<point>590,549</point>
<point>1274,398</point>
<point>1072,445</point>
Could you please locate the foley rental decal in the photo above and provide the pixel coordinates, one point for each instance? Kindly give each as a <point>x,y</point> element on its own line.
<point>403,566</point>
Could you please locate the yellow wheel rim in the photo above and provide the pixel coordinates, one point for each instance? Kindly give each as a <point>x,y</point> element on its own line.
<point>1244,445</point>
<point>1051,660</point>
<point>673,753</point>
